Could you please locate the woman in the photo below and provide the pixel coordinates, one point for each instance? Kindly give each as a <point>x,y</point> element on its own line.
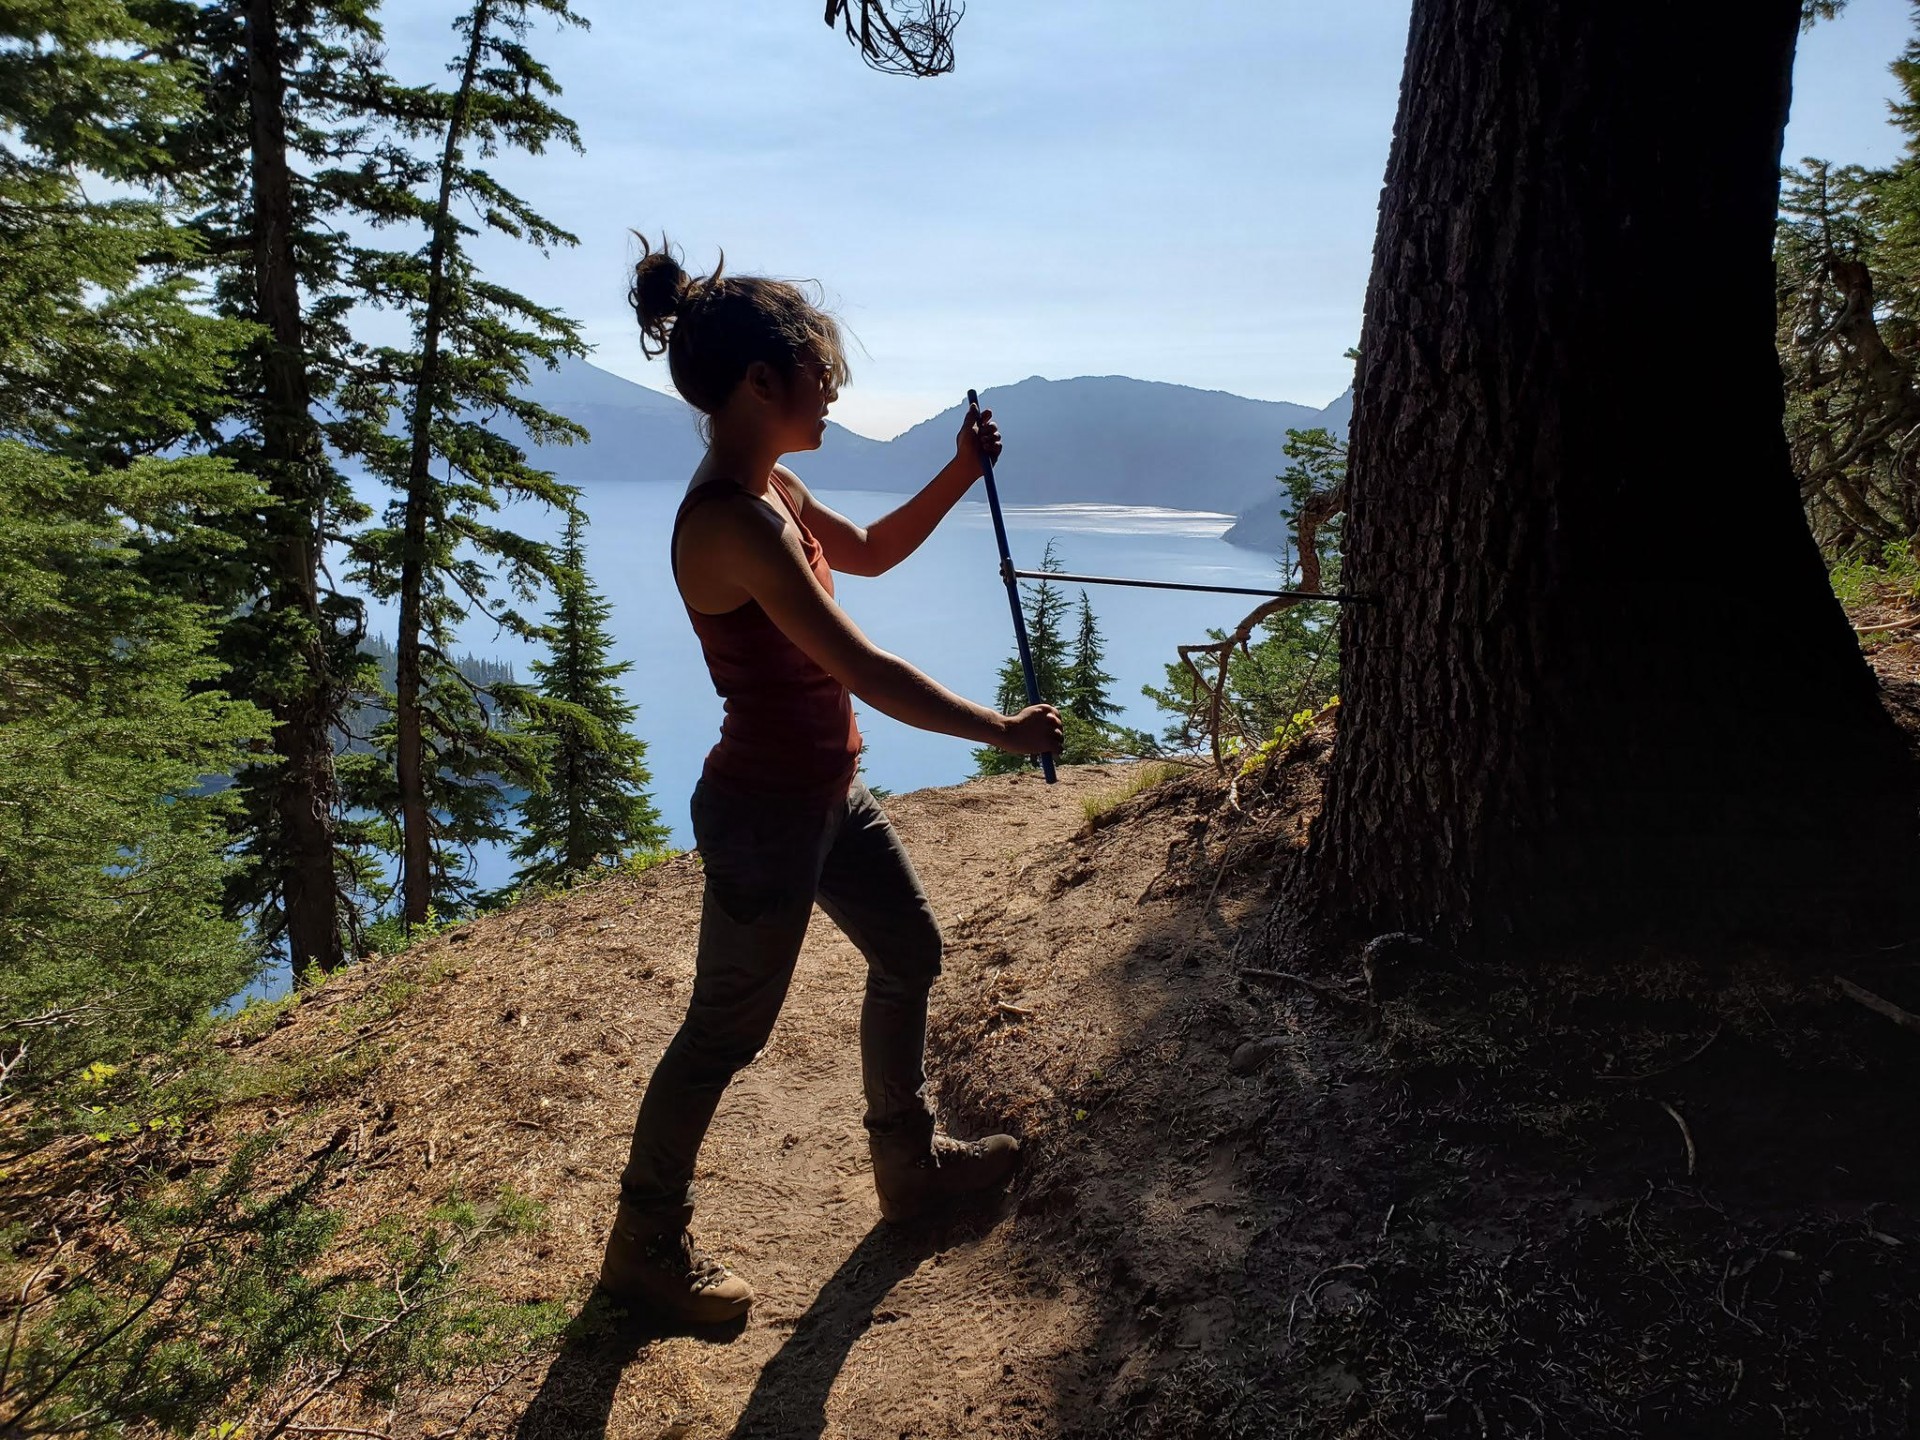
<point>779,817</point>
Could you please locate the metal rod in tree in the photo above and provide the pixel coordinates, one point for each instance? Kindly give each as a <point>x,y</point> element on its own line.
<point>1058,577</point>
<point>1007,573</point>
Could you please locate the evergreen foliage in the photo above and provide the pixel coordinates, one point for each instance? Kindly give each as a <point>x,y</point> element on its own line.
<point>1847,260</point>
<point>104,356</point>
<point>437,551</point>
<point>176,668</point>
<point>111,848</point>
<point>290,148</point>
<point>1087,684</point>
<point>219,1288</point>
<point>593,807</point>
<point>1069,677</point>
<point>1293,668</point>
<point>112,857</point>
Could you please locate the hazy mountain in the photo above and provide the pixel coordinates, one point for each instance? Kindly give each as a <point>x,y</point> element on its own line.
<point>1119,441</point>
<point>1263,525</point>
<point>638,434</point>
<point>1098,438</point>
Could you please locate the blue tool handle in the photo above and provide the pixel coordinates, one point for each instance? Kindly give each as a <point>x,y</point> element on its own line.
<point>1013,589</point>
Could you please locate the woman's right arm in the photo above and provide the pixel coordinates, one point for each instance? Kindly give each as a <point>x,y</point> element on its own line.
<point>766,560</point>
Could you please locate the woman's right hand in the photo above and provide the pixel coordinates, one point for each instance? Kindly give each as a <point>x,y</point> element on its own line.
<point>1036,730</point>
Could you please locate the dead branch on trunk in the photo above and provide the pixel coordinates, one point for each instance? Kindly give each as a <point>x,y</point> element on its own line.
<point>900,37</point>
<point>1315,512</point>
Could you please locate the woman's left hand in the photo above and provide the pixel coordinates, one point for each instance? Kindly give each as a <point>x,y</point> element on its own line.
<point>978,443</point>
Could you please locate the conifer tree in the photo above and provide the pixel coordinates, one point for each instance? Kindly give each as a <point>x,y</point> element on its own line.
<point>1065,677</point>
<point>104,355</point>
<point>593,807</point>
<point>454,386</point>
<point>295,143</point>
<point>1534,566</point>
<point>1086,688</point>
<point>1848,353</point>
<point>1294,665</point>
<point>112,850</point>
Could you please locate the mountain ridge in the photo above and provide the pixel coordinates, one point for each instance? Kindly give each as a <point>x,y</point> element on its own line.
<point>1094,438</point>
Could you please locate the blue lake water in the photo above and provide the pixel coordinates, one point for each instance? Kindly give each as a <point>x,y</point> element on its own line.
<point>944,609</point>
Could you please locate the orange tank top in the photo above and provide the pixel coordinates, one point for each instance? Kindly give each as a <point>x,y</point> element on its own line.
<point>788,728</point>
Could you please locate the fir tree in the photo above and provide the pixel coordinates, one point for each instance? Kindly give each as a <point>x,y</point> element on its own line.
<point>1534,583</point>
<point>104,355</point>
<point>593,807</point>
<point>1065,679</point>
<point>1086,688</point>
<point>471,346</point>
<point>294,145</point>
<point>1847,302</point>
<point>112,848</point>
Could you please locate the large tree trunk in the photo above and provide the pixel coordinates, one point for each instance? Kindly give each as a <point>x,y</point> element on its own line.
<point>1602,683</point>
<point>295,468</point>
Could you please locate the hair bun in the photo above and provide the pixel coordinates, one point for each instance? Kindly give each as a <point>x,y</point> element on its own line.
<point>661,287</point>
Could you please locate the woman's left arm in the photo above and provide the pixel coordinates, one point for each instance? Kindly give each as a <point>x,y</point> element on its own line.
<point>875,549</point>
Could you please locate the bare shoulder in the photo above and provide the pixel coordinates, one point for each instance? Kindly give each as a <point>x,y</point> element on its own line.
<point>795,484</point>
<point>736,524</point>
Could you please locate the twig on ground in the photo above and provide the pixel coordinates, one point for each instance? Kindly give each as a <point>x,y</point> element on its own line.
<point>1686,1059</point>
<point>1905,623</point>
<point>1905,1019</point>
<point>1685,1134</point>
<point>1165,870</point>
<point>25,1303</point>
<point>1329,991</point>
<point>1219,874</point>
<point>1013,1012</point>
<point>474,1409</point>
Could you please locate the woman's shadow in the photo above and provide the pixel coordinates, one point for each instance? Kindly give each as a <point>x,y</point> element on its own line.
<point>790,1400</point>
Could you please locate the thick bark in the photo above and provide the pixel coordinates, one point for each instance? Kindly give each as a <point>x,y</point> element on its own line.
<point>295,467</point>
<point>1603,684</point>
<point>416,840</point>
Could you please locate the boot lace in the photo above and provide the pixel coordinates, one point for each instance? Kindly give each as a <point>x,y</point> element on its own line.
<point>679,1254</point>
<point>945,1148</point>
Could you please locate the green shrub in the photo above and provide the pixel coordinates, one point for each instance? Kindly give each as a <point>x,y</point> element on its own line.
<point>1896,576</point>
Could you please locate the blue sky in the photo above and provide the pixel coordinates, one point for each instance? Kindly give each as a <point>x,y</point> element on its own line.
<point>1181,192</point>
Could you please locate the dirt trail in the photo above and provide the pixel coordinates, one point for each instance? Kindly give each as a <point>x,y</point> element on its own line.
<point>1267,1191</point>
<point>521,1063</point>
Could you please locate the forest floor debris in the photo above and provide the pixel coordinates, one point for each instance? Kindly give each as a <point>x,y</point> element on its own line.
<point>1263,1195</point>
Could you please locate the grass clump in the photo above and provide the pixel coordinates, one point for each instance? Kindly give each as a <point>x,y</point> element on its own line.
<point>1145,778</point>
<point>1895,576</point>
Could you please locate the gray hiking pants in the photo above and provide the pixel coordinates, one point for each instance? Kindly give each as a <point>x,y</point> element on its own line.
<point>767,861</point>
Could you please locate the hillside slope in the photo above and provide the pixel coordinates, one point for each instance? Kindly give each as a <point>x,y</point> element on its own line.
<point>1268,1191</point>
<point>517,1058</point>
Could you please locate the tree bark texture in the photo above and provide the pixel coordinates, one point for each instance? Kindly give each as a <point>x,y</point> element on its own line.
<point>1602,683</point>
<point>295,466</point>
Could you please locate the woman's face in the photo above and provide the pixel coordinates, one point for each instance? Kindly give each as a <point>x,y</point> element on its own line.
<point>809,392</point>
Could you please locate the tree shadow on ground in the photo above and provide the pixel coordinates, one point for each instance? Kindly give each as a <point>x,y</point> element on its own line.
<point>1296,1193</point>
<point>789,1402</point>
<point>575,1400</point>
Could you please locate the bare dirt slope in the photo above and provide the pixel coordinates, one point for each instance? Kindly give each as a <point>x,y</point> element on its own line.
<point>520,1059</point>
<point>1269,1190</point>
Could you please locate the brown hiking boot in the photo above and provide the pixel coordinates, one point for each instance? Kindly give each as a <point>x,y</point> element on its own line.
<point>911,1186</point>
<point>657,1273</point>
